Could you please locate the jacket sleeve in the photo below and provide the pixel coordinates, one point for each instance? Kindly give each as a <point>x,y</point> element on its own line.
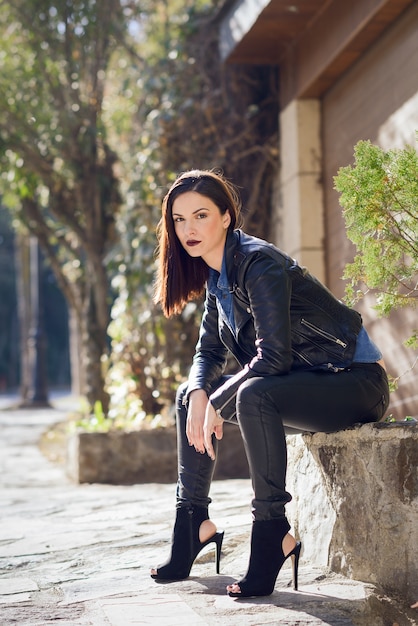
<point>210,357</point>
<point>266,288</point>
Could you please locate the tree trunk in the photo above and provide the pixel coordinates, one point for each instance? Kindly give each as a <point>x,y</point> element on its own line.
<point>37,392</point>
<point>89,344</point>
<point>95,348</point>
<point>23,287</point>
<point>33,377</point>
<point>77,382</point>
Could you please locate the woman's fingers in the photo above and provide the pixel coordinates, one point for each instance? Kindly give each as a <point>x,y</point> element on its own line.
<point>195,420</point>
<point>213,425</point>
<point>195,437</point>
<point>219,430</point>
<point>208,445</point>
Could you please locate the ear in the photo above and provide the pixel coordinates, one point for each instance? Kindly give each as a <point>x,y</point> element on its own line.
<point>226,219</point>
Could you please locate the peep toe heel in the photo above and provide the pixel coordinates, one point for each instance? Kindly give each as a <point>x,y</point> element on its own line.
<point>186,544</point>
<point>266,559</point>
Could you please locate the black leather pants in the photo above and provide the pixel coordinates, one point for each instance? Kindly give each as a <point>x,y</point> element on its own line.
<point>269,408</point>
<point>195,470</point>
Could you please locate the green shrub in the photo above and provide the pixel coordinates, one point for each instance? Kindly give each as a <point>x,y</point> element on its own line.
<point>379,197</point>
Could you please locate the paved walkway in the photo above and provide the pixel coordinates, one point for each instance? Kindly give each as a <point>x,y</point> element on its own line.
<point>79,555</point>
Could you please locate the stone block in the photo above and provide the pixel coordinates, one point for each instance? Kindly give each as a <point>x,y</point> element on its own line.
<point>143,456</point>
<point>356,501</point>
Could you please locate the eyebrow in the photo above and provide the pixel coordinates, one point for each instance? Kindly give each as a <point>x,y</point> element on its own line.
<point>196,211</point>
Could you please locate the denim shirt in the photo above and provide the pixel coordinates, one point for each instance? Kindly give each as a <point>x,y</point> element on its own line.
<point>366,351</point>
<point>218,286</point>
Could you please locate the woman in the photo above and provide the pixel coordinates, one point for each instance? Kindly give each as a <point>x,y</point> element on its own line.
<point>306,364</point>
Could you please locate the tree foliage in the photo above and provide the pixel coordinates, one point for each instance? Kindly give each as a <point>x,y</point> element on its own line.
<point>379,196</point>
<point>103,104</point>
<point>192,111</point>
<point>58,167</point>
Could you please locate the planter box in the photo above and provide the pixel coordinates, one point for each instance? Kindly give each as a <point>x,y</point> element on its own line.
<point>145,456</point>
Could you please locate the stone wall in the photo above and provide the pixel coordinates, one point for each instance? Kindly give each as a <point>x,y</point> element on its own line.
<point>355,503</point>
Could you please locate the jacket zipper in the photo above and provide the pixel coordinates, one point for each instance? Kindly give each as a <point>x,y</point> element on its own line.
<point>323,333</point>
<point>219,411</point>
<point>302,357</point>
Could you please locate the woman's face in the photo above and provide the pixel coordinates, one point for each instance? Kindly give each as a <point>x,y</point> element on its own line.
<point>200,227</point>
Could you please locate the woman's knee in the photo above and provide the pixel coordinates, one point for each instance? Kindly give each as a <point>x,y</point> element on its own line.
<point>249,395</point>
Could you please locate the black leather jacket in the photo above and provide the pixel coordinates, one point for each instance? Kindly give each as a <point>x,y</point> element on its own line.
<point>284,319</point>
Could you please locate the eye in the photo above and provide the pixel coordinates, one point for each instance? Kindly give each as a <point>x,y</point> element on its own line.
<point>178,219</point>
<point>201,216</point>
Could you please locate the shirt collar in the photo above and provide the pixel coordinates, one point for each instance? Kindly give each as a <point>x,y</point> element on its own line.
<point>219,280</point>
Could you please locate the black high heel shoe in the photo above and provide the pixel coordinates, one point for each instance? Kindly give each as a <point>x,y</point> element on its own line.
<point>266,560</point>
<point>186,544</point>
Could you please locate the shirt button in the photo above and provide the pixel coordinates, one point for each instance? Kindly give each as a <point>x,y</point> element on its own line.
<point>248,310</point>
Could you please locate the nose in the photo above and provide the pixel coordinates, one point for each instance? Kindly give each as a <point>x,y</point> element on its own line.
<point>189,227</point>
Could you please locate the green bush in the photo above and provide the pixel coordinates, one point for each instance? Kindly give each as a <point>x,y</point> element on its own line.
<point>379,197</point>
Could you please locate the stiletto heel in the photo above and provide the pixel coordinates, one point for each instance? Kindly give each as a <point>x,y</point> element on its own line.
<point>218,539</point>
<point>295,554</point>
<point>266,559</point>
<point>186,544</point>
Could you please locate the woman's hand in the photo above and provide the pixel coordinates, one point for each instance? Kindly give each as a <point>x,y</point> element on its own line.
<point>198,401</point>
<point>213,425</point>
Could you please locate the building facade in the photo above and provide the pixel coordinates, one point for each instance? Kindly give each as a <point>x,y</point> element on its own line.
<point>348,71</point>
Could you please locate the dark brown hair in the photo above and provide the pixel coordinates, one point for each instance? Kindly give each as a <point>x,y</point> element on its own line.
<point>180,277</point>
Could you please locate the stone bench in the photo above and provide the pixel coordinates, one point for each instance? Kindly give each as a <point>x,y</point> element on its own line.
<point>355,503</point>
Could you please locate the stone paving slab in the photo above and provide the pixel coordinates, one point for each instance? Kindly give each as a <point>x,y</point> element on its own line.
<point>150,609</point>
<point>79,555</point>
